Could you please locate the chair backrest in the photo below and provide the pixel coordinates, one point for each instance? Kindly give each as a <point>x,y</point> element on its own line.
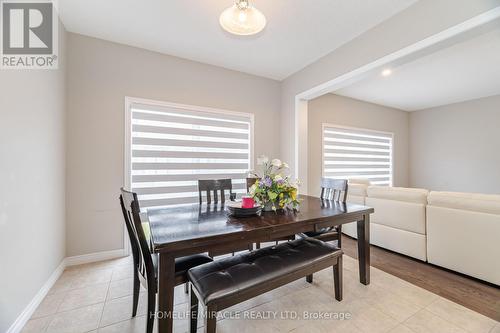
<point>250,182</point>
<point>140,248</point>
<point>334,189</point>
<point>214,186</point>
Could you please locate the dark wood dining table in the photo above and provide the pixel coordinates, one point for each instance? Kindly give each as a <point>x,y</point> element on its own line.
<point>184,230</point>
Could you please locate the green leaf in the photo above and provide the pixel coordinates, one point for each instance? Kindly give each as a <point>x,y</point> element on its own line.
<point>272,195</point>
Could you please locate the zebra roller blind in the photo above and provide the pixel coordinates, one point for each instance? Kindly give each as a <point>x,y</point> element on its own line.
<point>173,146</point>
<point>357,153</point>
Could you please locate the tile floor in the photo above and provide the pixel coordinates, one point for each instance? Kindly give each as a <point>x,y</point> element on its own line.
<point>97,298</point>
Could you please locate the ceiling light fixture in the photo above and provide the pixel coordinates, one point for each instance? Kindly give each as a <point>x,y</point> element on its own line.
<point>242,19</point>
<point>386,72</point>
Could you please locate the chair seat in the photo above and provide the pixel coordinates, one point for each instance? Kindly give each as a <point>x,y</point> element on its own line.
<point>230,276</point>
<point>319,232</point>
<point>183,264</point>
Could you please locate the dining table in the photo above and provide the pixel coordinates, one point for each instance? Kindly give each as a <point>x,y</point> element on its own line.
<point>179,231</point>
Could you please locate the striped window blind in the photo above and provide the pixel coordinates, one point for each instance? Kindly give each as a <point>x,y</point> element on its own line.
<point>173,146</point>
<point>357,153</point>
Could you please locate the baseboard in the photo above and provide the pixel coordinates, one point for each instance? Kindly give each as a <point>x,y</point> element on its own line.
<point>23,318</point>
<point>93,257</point>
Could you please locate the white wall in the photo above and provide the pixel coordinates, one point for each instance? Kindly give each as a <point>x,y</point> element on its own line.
<point>339,110</point>
<point>100,75</point>
<point>457,147</point>
<point>32,178</point>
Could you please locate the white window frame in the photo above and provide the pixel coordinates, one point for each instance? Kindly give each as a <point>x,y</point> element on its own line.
<point>325,125</point>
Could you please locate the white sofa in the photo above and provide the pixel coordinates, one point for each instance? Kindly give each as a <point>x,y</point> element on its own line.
<point>463,233</point>
<point>398,223</point>
<point>356,193</point>
<point>458,231</point>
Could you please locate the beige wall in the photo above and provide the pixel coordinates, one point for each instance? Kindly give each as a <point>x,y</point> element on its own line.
<point>32,177</point>
<point>457,147</point>
<point>346,111</point>
<point>100,75</point>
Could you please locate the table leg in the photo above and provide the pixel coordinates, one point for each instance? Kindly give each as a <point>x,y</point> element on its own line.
<point>166,285</point>
<point>364,249</point>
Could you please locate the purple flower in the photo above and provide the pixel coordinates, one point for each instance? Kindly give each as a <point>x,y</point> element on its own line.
<point>267,181</point>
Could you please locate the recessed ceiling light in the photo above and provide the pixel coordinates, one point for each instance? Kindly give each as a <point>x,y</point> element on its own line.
<point>386,72</point>
<point>242,19</point>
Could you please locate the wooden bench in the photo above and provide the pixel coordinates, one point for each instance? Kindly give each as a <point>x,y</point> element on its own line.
<point>229,281</point>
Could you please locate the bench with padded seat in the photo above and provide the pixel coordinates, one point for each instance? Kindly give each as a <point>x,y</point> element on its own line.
<point>229,281</point>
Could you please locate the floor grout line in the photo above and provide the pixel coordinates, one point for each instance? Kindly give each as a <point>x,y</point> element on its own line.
<point>103,306</point>
<point>494,327</point>
<point>446,320</point>
<point>408,327</point>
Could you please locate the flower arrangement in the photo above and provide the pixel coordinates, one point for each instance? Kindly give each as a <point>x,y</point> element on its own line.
<point>274,189</point>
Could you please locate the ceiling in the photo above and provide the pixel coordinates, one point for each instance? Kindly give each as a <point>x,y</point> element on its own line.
<point>466,70</point>
<point>298,32</point>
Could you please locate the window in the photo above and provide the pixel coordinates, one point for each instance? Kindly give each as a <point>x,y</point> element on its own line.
<point>357,153</point>
<point>170,147</point>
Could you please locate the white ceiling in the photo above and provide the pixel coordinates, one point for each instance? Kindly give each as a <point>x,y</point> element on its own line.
<point>298,32</point>
<point>467,70</point>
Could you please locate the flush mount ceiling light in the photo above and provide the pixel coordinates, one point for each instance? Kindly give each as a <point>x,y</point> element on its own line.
<point>242,19</point>
<point>386,72</point>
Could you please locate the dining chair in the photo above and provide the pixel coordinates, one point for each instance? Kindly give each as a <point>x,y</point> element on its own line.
<point>250,182</point>
<point>331,190</point>
<point>146,263</point>
<point>215,187</point>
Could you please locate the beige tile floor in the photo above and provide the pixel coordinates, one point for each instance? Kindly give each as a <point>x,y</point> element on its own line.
<point>97,298</point>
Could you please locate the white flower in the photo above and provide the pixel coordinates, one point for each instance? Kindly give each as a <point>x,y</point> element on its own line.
<point>278,178</point>
<point>294,183</point>
<point>285,165</point>
<point>252,189</point>
<point>276,162</point>
<point>263,159</point>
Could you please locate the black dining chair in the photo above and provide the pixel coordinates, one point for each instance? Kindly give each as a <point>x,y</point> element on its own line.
<point>331,190</point>
<point>146,263</point>
<point>250,182</point>
<point>214,187</point>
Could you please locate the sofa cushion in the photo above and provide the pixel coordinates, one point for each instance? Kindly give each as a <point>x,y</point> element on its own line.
<point>362,181</point>
<point>464,241</point>
<point>401,241</point>
<point>406,242</point>
<point>356,199</point>
<point>350,229</point>
<point>408,216</point>
<point>416,195</point>
<point>484,203</point>
<point>357,190</point>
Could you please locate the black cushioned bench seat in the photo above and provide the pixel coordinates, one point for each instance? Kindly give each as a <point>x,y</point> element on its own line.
<point>228,281</point>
